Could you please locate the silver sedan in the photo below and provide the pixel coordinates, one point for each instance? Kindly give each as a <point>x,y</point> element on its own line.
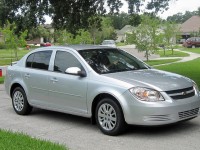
<point>106,84</point>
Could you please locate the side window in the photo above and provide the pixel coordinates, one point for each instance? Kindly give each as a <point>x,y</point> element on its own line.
<point>29,60</point>
<point>65,60</point>
<point>39,60</point>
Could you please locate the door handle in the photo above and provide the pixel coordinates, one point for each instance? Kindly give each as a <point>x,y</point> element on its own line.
<point>54,80</point>
<point>27,75</point>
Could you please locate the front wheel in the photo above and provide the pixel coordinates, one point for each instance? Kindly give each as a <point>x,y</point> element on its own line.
<point>20,103</point>
<point>109,117</point>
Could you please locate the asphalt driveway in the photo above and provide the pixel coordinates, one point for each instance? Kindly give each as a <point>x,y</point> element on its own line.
<point>78,134</point>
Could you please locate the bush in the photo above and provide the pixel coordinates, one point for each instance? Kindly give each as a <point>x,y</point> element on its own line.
<point>2,45</point>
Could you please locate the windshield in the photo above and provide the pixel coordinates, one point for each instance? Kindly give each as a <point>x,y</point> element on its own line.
<point>111,60</point>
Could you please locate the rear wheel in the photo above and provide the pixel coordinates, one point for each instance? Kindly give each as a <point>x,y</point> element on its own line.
<point>109,117</point>
<point>19,102</point>
<point>193,46</point>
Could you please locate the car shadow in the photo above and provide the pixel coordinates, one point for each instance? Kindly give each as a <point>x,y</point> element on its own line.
<point>183,127</point>
<point>58,116</point>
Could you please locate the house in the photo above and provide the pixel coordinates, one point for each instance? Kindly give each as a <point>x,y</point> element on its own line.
<point>190,27</point>
<point>39,40</point>
<point>121,34</point>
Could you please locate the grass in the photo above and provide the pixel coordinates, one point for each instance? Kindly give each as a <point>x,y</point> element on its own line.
<point>161,61</point>
<point>189,69</point>
<point>168,53</point>
<point>121,44</point>
<point>18,141</point>
<point>1,80</point>
<point>7,55</point>
<point>193,50</point>
<point>4,62</point>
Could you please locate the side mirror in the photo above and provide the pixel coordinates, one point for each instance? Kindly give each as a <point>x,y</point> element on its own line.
<point>75,71</point>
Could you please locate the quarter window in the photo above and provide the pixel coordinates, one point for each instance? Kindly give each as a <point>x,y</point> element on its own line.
<point>65,60</point>
<point>39,60</point>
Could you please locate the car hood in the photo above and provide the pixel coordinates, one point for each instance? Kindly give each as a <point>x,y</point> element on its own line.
<point>152,78</point>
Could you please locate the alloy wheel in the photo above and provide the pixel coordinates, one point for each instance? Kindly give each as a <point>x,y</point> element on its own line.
<point>107,116</point>
<point>18,101</point>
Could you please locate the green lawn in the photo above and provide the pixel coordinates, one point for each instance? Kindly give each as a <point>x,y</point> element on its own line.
<point>10,53</point>
<point>168,53</point>
<point>4,62</point>
<point>189,69</point>
<point>161,61</point>
<point>7,55</point>
<point>1,80</point>
<point>193,50</point>
<point>18,141</point>
<point>121,44</point>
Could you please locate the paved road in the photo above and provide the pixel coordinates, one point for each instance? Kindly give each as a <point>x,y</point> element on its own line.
<point>78,134</point>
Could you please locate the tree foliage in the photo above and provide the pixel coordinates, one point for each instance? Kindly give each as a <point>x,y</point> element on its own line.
<point>146,35</point>
<point>169,35</point>
<point>67,14</point>
<point>182,17</point>
<point>11,40</point>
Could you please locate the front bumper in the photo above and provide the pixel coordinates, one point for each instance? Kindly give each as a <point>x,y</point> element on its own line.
<point>159,113</point>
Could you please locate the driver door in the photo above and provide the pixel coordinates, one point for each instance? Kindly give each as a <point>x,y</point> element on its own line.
<point>67,92</point>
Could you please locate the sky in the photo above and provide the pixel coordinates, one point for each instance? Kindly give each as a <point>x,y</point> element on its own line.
<point>174,8</point>
<point>181,6</point>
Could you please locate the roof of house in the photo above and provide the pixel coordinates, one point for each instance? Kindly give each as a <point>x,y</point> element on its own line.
<point>191,25</point>
<point>125,29</point>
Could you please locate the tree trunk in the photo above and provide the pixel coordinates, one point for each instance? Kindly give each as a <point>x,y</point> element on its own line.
<point>164,50</point>
<point>147,55</point>
<point>172,50</point>
<point>16,56</point>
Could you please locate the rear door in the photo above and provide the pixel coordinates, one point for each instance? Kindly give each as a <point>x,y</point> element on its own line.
<point>35,76</point>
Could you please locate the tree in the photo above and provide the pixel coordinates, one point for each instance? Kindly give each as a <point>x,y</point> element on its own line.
<point>12,41</point>
<point>119,20</point>
<point>63,37</point>
<point>83,37</point>
<point>146,35</point>
<point>107,32</point>
<point>180,17</point>
<point>134,20</point>
<point>94,26</point>
<point>170,32</point>
<point>67,14</point>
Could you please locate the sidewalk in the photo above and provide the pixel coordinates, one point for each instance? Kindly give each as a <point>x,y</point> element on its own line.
<point>183,59</point>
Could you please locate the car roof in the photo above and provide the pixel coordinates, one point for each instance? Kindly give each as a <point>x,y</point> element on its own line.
<point>79,47</point>
<point>87,47</point>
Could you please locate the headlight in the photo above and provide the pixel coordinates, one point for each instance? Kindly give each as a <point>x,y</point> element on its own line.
<point>196,88</point>
<point>145,94</point>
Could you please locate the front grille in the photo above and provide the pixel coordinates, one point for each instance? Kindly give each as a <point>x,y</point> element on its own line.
<point>181,93</point>
<point>189,113</point>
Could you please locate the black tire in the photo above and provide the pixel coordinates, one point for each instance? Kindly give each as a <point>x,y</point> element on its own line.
<point>19,102</point>
<point>116,127</point>
<point>193,46</point>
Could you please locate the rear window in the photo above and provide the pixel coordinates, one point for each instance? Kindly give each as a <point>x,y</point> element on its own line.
<point>39,60</point>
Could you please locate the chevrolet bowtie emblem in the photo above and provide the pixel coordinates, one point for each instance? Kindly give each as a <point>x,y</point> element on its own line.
<point>184,93</point>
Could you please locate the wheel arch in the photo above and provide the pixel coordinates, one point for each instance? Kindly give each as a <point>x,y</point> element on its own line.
<point>15,85</point>
<point>97,99</point>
